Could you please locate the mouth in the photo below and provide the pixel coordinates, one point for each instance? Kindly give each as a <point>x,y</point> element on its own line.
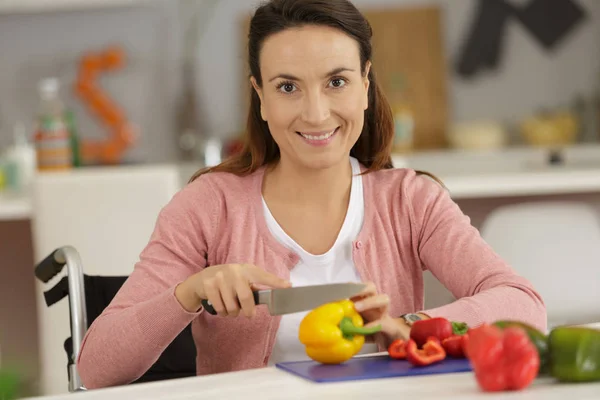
<point>322,136</point>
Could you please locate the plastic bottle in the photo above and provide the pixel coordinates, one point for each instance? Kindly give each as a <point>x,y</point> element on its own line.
<point>75,144</point>
<point>52,138</point>
<point>20,161</point>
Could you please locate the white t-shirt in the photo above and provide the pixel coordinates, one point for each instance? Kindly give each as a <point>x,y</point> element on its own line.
<point>335,266</point>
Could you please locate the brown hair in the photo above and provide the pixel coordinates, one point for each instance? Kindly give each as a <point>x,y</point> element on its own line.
<point>374,145</point>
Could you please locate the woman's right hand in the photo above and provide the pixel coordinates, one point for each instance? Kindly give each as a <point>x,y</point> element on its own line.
<point>228,287</point>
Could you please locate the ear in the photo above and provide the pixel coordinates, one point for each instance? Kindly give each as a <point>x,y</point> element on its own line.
<point>367,83</point>
<point>260,96</point>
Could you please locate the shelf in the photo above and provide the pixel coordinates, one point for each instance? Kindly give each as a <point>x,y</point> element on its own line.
<point>38,6</point>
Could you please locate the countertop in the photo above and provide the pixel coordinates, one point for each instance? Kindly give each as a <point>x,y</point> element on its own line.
<point>467,174</point>
<point>14,206</point>
<point>526,183</point>
<point>519,171</point>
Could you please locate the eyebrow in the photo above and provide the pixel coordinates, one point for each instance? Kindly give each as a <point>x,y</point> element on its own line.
<point>334,71</point>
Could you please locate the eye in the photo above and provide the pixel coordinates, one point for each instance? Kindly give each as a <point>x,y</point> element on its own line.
<point>337,82</point>
<point>286,87</point>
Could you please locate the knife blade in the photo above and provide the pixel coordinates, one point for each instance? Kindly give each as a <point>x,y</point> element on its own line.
<point>301,298</point>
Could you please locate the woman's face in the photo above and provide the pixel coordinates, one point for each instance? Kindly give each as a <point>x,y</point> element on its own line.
<point>313,94</point>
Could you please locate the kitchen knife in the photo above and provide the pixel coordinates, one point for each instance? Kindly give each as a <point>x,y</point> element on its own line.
<point>301,298</point>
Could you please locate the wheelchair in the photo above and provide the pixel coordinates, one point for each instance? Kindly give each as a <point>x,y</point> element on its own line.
<point>88,296</point>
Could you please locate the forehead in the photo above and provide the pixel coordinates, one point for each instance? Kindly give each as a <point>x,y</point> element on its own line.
<point>307,50</point>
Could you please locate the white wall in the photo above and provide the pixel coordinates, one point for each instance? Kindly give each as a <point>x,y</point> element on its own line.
<point>529,77</point>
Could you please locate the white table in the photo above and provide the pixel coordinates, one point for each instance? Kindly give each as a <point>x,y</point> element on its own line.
<point>272,383</point>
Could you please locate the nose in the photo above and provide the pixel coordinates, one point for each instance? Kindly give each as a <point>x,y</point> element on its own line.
<point>315,108</point>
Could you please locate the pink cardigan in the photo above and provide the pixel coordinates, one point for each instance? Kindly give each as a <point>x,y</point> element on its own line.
<point>411,224</point>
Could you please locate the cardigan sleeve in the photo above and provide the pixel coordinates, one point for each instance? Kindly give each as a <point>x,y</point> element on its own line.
<point>145,316</point>
<point>486,288</point>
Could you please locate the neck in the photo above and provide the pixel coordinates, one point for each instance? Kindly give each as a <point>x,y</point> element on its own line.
<point>296,185</point>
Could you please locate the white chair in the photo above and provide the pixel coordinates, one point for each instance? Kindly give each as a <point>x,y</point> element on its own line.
<point>107,215</point>
<point>556,245</point>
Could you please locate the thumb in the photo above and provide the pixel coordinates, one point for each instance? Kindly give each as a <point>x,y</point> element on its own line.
<point>372,338</point>
<point>374,324</point>
<point>261,277</point>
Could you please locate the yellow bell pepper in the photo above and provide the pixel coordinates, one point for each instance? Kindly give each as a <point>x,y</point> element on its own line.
<point>334,332</point>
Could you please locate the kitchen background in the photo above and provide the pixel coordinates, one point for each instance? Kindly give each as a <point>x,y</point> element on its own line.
<point>482,91</point>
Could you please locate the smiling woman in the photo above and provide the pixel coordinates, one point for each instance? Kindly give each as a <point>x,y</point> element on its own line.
<point>312,199</point>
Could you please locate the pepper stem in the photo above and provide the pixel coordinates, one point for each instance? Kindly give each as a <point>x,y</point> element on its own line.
<point>459,328</point>
<point>349,329</point>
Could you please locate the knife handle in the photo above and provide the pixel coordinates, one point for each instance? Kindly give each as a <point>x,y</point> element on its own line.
<point>207,305</point>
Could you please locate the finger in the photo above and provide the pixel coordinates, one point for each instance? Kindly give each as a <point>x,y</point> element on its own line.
<point>373,302</point>
<point>246,298</point>
<point>387,326</point>
<point>373,324</point>
<point>211,289</point>
<point>259,276</point>
<point>369,290</point>
<point>391,327</point>
<point>255,287</point>
<point>228,295</point>
<point>376,337</point>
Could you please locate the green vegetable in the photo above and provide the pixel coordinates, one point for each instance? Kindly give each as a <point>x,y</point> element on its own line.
<point>459,328</point>
<point>575,354</point>
<point>539,340</point>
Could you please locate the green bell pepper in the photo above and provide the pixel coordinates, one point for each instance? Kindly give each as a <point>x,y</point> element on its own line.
<point>574,354</point>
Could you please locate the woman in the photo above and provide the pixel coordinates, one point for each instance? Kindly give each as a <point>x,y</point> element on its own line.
<point>312,199</point>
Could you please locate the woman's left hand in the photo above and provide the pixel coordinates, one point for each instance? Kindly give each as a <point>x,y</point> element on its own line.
<point>373,307</point>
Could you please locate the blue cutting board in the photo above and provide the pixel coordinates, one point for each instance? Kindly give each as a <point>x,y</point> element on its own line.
<point>371,367</point>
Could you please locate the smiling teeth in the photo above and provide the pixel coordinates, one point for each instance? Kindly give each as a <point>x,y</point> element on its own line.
<point>321,137</point>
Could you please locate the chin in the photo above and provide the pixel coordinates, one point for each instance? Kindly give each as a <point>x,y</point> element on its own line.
<point>315,158</point>
<point>322,161</point>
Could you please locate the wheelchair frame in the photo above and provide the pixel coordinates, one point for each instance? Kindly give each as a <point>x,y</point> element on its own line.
<point>51,266</point>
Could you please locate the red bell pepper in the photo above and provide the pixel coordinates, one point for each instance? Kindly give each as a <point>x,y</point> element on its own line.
<point>502,360</point>
<point>440,328</point>
<point>455,344</point>
<point>433,339</point>
<point>397,349</point>
<point>431,352</point>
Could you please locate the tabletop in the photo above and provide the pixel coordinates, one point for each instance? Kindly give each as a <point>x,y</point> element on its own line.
<point>273,383</point>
